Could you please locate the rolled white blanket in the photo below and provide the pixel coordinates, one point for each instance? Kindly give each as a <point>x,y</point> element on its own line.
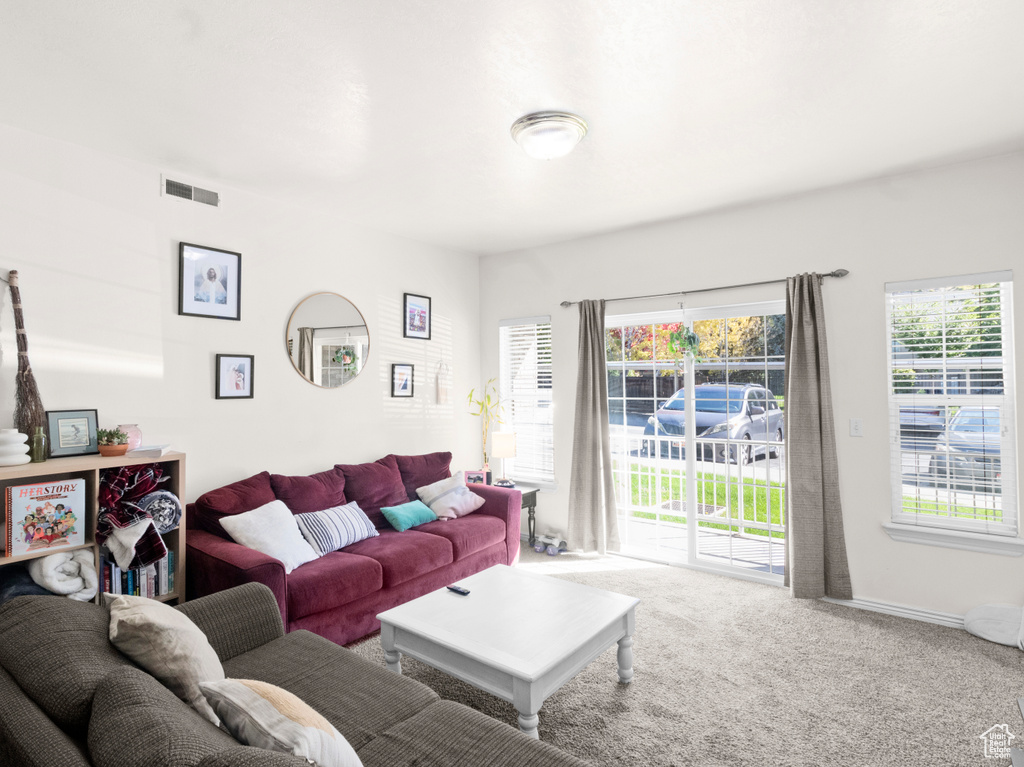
<point>71,573</point>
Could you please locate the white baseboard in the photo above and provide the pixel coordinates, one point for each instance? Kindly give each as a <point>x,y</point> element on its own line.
<point>902,611</point>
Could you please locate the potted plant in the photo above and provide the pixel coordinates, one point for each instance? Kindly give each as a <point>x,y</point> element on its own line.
<point>112,441</point>
<point>488,407</point>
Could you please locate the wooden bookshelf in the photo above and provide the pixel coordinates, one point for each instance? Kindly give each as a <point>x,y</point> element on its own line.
<point>89,467</point>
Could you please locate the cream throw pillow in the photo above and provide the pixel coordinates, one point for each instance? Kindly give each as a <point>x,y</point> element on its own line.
<point>272,530</point>
<point>265,716</point>
<point>167,644</point>
<point>450,498</point>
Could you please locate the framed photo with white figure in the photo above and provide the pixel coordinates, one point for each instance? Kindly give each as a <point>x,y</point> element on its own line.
<point>209,282</point>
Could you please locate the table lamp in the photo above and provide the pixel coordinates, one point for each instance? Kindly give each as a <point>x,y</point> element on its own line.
<point>503,445</point>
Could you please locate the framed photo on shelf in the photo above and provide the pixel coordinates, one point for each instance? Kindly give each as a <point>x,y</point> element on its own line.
<point>45,516</point>
<point>401,380</point>
<point>416,316</point>
<point>209,282</point>
<point>478,477</point>
<point>234,376</point>
<point>72,432</point>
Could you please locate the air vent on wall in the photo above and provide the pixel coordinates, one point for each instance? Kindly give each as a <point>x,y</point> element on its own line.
<point>189,192</point>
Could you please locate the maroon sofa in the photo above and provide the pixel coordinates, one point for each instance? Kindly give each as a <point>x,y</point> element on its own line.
<point>340,594</point>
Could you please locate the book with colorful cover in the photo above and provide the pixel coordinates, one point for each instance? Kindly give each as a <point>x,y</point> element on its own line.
<point>45,515</point>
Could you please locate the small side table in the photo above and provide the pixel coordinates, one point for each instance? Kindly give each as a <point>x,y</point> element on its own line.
<point>530,503</point>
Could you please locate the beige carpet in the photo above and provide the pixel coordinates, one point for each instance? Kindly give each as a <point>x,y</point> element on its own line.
<point>734,673</point>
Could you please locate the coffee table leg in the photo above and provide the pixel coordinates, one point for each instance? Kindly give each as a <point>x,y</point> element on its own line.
<point>528,725</point>
<point>625,657</point>
<point>527,703</point>
<point>392,657</point>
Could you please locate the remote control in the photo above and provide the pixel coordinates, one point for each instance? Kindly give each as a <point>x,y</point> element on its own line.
<point>459,590</point>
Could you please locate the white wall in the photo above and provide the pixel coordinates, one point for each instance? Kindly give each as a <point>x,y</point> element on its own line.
<point>955,220</point>
<point>97,251</point>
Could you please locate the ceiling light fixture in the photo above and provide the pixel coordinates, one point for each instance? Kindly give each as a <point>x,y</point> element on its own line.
<point>546,135</point>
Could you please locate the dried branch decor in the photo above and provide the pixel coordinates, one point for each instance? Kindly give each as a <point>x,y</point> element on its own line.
<point>28,407</point>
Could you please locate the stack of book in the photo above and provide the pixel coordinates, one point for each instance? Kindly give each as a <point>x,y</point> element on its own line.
<point>155,580</point>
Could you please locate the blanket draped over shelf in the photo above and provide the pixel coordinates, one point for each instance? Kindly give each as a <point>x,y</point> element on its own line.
<point>125,528</point>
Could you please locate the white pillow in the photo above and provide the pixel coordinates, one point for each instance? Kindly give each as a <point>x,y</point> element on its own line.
<point>450,498</point>
<point>265,716</point>
<point>271,530</point>
<point>167,644</point>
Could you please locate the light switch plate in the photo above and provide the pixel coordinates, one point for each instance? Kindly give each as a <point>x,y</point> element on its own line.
<point>856,427</point>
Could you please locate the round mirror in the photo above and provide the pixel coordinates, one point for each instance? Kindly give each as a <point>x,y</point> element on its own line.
<point>327,340</point>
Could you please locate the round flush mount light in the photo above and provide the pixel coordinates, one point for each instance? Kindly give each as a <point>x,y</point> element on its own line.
<point>546,135</point>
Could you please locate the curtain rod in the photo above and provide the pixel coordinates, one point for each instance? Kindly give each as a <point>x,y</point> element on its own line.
<point>836,273</point>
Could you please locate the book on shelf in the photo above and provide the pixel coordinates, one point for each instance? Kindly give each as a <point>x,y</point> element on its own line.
<point>44,516</point>
<point>152,581</point>
<point>149,451</point>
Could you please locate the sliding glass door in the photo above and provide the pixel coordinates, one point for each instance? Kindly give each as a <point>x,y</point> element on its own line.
<point>716,447</point>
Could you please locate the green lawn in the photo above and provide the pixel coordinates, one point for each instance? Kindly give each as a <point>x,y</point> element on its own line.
<point>955,511</point>
<point>755,501</point>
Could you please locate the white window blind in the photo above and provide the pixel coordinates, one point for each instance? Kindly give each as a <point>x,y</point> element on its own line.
<point>525,389</point>
<point>951,403</point>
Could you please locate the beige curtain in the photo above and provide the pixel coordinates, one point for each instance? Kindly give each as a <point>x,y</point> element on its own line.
<point>815,546</point>
<point>306,352</point>
<point>592,521</point>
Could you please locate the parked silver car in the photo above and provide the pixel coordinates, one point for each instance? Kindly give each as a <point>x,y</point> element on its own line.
<point>748,415</point>
<point>967,453</point>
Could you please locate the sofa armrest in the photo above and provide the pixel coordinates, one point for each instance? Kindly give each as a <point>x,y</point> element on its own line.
<point>215,564</point>
<point>237,620</point>
<point>507,505</point>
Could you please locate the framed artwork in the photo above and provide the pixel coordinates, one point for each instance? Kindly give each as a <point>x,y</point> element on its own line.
<point>209,282</point>
<point>72,432</point>
<point>416,316</point>
<point>401,380</point>
<point>234,376</point>
<point>476,477</point>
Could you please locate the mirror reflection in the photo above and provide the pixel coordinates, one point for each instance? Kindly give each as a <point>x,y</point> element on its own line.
<point>327,340</point>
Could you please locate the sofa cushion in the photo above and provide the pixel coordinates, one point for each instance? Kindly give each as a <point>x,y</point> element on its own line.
<point>333,580</point>
<point>367,701</point>
<point>468,535</point>
<point>244,495</point>
<point>448,734</point>
<point>310,493</point>
<point>404,556</point>
<point>58,650</point>
<point>373,485</point>
<point>420,470</point>
<point>137,722</point>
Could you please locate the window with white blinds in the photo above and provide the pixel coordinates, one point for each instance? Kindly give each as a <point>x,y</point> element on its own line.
<point>525,388</point>
<point>951,403</point>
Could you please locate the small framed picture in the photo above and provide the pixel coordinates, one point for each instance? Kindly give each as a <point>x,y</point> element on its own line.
<point>72,432</point>
<point>234,376</point>
<point>416,316</point>
<point>401,380</point>
<point>478,477</point>
<point>209,282</point>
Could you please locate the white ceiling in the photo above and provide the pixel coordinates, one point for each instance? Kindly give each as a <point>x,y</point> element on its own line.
<point>395,113</point>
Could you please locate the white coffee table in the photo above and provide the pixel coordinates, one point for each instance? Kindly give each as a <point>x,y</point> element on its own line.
<point>518,635</point>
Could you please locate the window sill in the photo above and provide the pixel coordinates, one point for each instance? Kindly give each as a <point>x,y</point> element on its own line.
<point>1006,546</point>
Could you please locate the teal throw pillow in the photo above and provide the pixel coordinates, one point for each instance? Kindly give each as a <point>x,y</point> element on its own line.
<point>408,515</point>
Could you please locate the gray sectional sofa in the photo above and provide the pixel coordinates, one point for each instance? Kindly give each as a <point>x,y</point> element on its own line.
<point>68,698</point>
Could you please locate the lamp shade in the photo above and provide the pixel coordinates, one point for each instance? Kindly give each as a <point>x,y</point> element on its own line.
<point>503,444</point>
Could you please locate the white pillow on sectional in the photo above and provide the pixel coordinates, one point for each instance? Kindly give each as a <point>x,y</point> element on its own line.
<point>271,529</point>
<point>450,498</point>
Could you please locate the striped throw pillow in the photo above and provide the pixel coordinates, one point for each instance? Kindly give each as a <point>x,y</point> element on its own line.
<point>335,528</point>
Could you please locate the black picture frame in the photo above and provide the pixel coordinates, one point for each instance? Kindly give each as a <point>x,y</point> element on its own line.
<point>235,378</point>
<point>416,316</point>
<point>402,380</point>
<point>209,282</point>
<point>72,432</point>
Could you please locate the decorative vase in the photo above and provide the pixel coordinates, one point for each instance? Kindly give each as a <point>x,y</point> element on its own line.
<point>134,434</point>
<point>13,450</point>
<point>112,450</point>
<point>38,452</point>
